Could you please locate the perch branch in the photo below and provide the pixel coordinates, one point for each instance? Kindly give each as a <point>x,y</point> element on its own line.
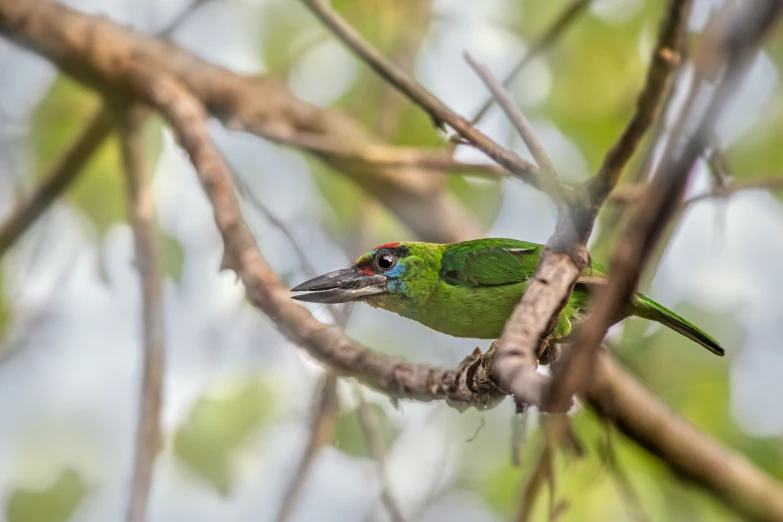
<point>725,56</point>
<point>565,256</point>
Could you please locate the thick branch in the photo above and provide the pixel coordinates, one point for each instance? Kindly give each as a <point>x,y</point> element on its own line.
<point>142,218</point>
<point>469,385</point>
<point>724,59</point>
<point>690,454</point>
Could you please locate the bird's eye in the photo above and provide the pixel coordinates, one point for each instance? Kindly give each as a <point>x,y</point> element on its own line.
<point>385,261</point>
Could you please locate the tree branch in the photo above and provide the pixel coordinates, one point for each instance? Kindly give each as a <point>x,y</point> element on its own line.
<point>725,57</point>
<point>142,218</point>
<point>663,63</point>
<point>259,105</point>
<point>640,415</point>
<point>437,110</point>
<point>566,256</point>
<point>524,129</point>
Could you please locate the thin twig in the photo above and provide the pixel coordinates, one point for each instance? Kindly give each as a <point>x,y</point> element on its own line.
<point>437,110</point>
<point>665,59</point>
<point>372,433</point>
<point>541,473</point>
<point>523,127</point>
<point>321,434</point>
<point>59,178</point>
<point>142,218</point>
<point>542,44</point>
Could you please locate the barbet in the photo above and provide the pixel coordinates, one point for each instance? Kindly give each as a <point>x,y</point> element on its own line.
<point>469,289</point>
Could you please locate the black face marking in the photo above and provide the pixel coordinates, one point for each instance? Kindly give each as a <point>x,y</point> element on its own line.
<point>384,259</point>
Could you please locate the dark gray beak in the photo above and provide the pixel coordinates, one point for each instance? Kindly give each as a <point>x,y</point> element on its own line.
<point>340,286</point>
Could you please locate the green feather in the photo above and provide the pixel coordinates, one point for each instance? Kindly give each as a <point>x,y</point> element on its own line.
<point>470,289</point>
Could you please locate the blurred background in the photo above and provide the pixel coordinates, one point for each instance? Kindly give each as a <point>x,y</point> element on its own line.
<point>239,398</point>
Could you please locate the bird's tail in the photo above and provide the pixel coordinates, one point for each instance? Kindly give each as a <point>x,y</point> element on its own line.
<point>645,307</point>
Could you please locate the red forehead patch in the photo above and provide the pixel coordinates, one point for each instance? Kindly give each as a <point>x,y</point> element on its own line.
<point>387,245</point>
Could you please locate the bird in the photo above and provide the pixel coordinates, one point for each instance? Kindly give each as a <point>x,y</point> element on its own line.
<point>469,289</point>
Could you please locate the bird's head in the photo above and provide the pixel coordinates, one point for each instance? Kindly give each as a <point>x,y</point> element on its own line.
<point>384,271</point>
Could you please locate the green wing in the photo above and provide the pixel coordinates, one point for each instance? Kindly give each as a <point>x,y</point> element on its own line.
<point>489,262</point>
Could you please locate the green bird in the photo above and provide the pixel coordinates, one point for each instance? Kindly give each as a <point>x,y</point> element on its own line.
<point>469,289</point>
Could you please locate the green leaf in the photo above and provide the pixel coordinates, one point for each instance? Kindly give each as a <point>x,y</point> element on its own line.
<point>350,437</point>
<point>5,311</point>
<point>219,425</point>
<point>99,190</point>
<point>172,255</point>
<point>603,60</point>
<point>56,503</point>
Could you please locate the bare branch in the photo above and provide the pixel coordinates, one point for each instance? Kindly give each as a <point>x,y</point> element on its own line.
<point>142,218</point>
<point>524,129</point>
<point>372,433</point>
<point>438,111</point>
<point>321,433</point>
<point>541,45</point>
<point>640,415</point>
<point>259,105</point>
<point>664,61</point>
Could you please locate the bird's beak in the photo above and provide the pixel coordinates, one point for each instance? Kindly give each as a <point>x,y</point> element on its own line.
<point>340,286</point>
